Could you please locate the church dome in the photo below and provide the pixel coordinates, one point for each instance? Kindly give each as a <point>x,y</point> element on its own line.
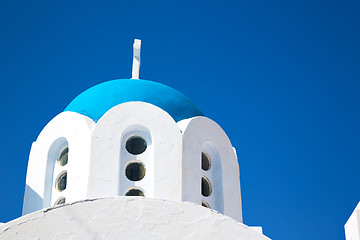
<point>97,100</point>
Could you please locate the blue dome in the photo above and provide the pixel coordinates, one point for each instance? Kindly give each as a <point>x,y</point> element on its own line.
<point>96,101</point>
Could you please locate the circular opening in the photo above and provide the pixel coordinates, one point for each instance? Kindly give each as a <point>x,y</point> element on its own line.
<point>205,187</point>
<point>135,171</point>
<point>205,161</point>
<point>60,183</point>
<point>205,204</point>
<point>134,192</point>
<point>60,201</point>
<point>63,157</point>
<point>136,145</point>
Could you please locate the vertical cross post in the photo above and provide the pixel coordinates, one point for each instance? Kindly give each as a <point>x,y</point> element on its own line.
<point>136,59</point>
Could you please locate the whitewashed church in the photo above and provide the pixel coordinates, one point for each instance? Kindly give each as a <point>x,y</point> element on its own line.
<point>134,159</point>
<point>131,159</point>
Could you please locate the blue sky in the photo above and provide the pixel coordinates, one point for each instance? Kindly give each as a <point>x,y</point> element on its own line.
<point>282,78</point>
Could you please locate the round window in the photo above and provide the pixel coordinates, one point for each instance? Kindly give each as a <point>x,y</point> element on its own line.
<point>134,192</point>
<point>205,186</point>
<point>62,159</point>
<point>205,204</point>
<point>136,145</point>
<point>60,183</point>
<point>60,201</point>
<point>205,161</point>
<point>135,170</point>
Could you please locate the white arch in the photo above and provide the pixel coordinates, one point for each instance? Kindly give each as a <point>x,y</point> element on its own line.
<point>66,128</point>
<point>162,157</point>
<point>202,134</point>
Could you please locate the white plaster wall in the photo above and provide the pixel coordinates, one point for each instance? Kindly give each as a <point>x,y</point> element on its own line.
<point>162,157</point>
<point>97,159</point>
<point>66,128</point>
<point>127,218</point>
<point>202,134</point>
<point>352,226</point>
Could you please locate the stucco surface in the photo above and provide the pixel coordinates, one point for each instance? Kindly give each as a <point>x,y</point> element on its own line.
<point>127,218</point>
<point>201,134</point>
<point>97,159</point>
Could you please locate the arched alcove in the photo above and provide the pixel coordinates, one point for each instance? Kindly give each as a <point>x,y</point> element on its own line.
<point>214,174</point>
<point>136,159</point>
<point>53,169</point>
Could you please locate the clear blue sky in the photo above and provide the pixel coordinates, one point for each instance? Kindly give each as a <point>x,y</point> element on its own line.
<point>281,77</point>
